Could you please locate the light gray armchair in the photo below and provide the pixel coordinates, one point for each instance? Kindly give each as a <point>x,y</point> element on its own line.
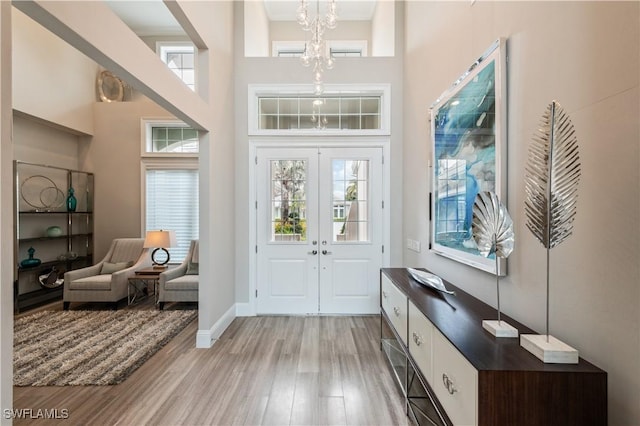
<point>107,281</point>
<point>180,284</point>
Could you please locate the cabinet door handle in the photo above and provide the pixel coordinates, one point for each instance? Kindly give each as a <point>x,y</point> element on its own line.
<point>417,339</point>
<point>448,383</point>
<point>396,311</point>
<point>384,294</point>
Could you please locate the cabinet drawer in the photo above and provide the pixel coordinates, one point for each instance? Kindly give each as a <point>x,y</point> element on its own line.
<point>455,382</point>
<point>420,341</point>
<point>394,303</point>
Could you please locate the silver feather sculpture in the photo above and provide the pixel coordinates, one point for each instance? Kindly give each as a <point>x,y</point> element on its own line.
<point>492,230</point>
<point>552,175</point>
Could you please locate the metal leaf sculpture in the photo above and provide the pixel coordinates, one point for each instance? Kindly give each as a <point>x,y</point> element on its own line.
<point>492,230</point>
<point>492,226</point>
<point>552,175</point>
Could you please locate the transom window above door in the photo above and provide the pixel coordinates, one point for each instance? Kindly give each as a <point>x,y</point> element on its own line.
<point>290,110</point>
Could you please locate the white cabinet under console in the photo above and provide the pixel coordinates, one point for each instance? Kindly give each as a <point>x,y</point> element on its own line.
<point>453,372</point>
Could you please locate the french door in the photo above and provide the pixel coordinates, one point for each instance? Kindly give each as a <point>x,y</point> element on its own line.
<point>319,230</point>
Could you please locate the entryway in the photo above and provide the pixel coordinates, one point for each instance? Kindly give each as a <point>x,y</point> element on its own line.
<point>319,229</point>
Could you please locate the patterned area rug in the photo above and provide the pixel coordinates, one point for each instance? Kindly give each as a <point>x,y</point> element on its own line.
<point>65,348</point>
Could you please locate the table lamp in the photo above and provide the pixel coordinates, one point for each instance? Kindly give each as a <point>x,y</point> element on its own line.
<point>160,240</point>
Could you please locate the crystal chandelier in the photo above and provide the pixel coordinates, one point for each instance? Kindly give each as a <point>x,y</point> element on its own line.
<point>319,121</point>
<point>315,51</point>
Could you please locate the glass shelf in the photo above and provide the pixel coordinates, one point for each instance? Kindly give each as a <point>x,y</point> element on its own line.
<point>40,203</point>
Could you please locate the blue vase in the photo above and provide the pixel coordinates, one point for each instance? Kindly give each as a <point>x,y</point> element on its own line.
<point>30,262</point>
<point>71,201</point>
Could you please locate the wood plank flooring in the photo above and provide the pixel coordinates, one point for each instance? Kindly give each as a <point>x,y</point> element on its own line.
<point>277,370</point>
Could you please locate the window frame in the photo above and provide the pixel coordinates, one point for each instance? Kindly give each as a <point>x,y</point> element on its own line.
<point>147,164</point>
<point>146,138</point>
<point>283,46</point>
<point>160,160</point>
<point>255,92</point>
<point>355,45</point>
<point>299,45</point>
<point>164,44</point>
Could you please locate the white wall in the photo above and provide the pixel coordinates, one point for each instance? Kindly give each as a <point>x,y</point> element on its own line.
<point>51,80</point>
<point>290,71</point>
<point>586,56</point>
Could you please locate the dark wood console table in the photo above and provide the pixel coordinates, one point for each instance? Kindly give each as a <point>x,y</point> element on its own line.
<point>470,377</point>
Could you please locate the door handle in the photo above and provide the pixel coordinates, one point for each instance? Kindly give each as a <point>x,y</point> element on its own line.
<point>313,252</point>
<point>326,252</point>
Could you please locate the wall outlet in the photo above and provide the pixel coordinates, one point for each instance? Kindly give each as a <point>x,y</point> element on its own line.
<point>413,245</point>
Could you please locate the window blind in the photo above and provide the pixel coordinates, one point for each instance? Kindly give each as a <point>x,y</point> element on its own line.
<point>172,204</point>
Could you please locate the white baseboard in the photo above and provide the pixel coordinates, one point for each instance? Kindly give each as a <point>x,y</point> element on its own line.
<point>206,338</point>
<point>244,310</point>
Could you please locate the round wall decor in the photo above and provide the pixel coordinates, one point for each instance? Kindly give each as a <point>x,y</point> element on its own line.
<point>110,87</point>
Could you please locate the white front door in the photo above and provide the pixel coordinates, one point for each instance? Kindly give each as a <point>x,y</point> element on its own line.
<point>319,230</point>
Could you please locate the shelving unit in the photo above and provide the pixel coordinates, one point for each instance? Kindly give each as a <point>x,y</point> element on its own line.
<point>40,197</point>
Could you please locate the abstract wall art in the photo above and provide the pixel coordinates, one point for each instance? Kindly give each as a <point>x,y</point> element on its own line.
<point>468,146</point>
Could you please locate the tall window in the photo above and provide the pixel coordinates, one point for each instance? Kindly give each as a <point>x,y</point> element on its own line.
<point>170,168</point>
<point>180,58</point>
<point>172,203</point>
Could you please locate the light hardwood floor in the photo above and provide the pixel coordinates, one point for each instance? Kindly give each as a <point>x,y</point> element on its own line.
<point>312,370</point>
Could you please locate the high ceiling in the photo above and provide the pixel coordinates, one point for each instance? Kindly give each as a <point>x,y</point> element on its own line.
<point>151,17</point>
<point>146,18</point>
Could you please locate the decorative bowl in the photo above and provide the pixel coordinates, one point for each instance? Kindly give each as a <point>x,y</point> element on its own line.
<point>54,231</point>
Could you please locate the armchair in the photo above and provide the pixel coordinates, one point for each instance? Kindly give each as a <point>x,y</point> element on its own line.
<point>107,280</point>
<point>180,284</point>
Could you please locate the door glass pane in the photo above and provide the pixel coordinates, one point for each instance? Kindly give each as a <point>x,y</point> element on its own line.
<point>288,200</point>
<point>349,200</point>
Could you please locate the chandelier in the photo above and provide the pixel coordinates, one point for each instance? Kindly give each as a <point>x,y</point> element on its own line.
<point>315,51</point>
<point>319,121</point>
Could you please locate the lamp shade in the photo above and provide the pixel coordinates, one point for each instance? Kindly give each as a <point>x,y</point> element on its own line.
<point>160,239</point>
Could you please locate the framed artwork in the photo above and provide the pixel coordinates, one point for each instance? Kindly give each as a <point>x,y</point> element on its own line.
<point>468,136</point>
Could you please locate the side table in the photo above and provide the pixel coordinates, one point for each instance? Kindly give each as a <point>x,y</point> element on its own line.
<point>140,283</point>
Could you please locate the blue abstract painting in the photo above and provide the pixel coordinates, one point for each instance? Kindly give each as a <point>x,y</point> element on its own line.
<point>464,157</point>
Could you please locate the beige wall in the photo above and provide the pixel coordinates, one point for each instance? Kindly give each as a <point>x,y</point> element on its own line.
<point>114,157</point>
<point>35,142</point>
<point>6,212</point>
<point>290,71</point>
<point>383,29</point>
<point>93,28</point>
<point>586,56</point>
<point>256,30</point>
<point>345,30</point>
<point>51,80</point>
<point>217,237</point>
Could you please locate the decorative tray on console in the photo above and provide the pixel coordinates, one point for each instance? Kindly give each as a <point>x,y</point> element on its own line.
<point>429,280</point>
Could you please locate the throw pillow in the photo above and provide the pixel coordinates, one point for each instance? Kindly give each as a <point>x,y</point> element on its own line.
<point>192,268</point>
<point>110,268</point>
